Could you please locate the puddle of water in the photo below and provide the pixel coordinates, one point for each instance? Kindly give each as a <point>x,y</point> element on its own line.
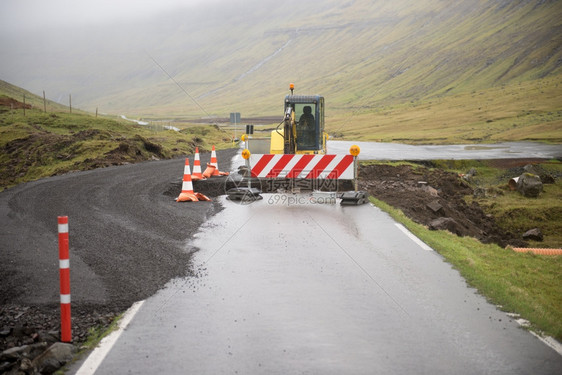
<point>476,148</point>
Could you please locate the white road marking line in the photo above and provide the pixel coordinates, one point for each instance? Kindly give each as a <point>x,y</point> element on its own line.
<point>422,244</point>
<point>551,342</point>
<point>547,340</point>
<point>95,359</point>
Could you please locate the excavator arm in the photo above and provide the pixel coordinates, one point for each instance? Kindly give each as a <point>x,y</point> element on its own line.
<point>289,132</point>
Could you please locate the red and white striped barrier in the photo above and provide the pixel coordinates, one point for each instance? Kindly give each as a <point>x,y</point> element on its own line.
<point>298,166</point>
<point>64,272</point>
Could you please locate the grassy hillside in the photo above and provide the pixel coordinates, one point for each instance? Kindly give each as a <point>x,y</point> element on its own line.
<point>363,55</point>
<point>8,90</point>
<point>385,68</point>
<point>528,111</point>
<point>43,144</point>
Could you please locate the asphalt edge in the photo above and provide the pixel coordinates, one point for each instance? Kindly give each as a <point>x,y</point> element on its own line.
<point>96,357</point>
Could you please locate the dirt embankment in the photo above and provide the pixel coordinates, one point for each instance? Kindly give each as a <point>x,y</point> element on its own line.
<point>42,149</point>
<point>11,103</point>
<point>434,198</point>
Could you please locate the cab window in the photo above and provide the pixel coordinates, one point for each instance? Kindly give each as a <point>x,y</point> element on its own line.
<point>306,126</point>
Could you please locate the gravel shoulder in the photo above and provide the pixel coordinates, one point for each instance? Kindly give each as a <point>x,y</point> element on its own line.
<point>128,238</point>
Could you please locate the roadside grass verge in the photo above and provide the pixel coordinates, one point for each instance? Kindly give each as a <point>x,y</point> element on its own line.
<point>526,284</point>
<point>95,335</point>
<point>42,144</point>
<point>528,111</point>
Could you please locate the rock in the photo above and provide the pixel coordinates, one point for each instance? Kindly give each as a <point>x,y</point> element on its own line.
<point>24,351</point>
<point>50,337</point>
<point>26,365</point>
<point>431,190</point>
<point>13,354</point>
<point>5,331</point>
<point>547,178</point>
<point>35,350</point>
<point>5,366</point>
<point>529,185</point>
<point>468,175</point>
<point>479,192</point>
<point>445,223</point>
<point>529,168</point>
<point>18,332</point>
<point>434,206</point>
<point>534,234</point>
<point>56,356</point>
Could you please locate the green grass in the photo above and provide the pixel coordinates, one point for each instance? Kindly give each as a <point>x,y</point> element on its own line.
<point>530,111</point>
<point>42,144</point>
<point>520,214</point>
<point>95,335</point>
<point>526,284</point>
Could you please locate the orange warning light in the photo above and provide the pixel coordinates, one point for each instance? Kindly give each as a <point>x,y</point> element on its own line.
<point>354,150</point>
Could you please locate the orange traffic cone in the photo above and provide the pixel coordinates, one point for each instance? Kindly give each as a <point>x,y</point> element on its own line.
<point>197,175</point>
<point>209,171</point>
<point>216,172</point>
<point>187,194</point>
<point>214,162</point>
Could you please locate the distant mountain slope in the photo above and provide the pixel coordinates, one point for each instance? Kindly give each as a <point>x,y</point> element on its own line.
<point>241,55</point>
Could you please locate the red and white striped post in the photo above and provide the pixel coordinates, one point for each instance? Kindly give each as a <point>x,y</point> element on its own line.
<point>64,270</point>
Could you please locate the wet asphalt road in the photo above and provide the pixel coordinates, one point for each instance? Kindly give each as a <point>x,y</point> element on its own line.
<point>287,288</point>
<point>398,151</point>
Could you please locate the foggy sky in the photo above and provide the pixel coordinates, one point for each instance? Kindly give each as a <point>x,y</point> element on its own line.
<point>31,15</point>
<point>94,48</point>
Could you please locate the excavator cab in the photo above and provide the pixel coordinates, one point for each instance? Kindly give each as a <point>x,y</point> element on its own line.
<point>303,126</point>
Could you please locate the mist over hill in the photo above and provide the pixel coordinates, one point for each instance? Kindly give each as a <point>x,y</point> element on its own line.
<point>237,55</point>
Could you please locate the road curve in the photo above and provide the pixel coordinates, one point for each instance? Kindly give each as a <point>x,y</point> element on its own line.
<point>127,235</point>
<point>287,288</point>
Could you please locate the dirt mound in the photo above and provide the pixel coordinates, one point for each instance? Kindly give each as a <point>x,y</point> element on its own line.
<point>44,149</point>
<point>12,103</point>
<point>434,198</point>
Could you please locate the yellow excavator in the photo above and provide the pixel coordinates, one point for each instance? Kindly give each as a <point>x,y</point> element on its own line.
<point>296,154</point>
<point>302,130</point>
